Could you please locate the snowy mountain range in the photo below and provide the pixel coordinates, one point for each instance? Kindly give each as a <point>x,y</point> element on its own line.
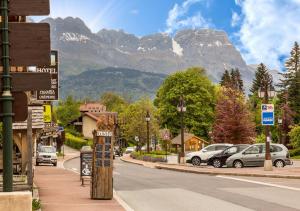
<point>81,50</point>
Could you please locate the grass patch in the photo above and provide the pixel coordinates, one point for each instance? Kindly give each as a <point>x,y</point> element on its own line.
<point>296,157</point>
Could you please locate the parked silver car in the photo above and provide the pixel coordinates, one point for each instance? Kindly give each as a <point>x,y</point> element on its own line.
<point>254,155</point>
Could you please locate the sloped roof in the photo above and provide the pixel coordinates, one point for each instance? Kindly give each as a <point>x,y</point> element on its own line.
<point>92,107</point>
<point>187,137</point>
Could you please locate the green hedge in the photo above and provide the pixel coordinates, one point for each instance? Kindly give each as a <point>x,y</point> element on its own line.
<point>148,157</point>
<point>295,152</point>
<point>75,142</point>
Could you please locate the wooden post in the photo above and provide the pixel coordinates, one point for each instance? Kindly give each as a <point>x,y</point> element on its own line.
<point>102,168</point>
<point>29,144</point>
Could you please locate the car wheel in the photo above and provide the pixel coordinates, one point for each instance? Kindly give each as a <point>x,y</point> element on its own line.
<point>54,164</point>
<point>37,163</point>
<point>196,161</point>
<point>238,164</point>
<point>279,164</point>
<point>217,163</point>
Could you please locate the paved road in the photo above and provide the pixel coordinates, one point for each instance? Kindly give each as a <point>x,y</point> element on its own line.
<point>146,189</point>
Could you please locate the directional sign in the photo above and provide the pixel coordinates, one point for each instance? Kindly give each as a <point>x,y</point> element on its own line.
<point>29,44</point>
<point>267,114</point>
<point>29,7</point>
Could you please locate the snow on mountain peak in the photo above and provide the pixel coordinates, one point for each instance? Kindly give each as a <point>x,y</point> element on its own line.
<point>177,49</point>
<point>73,37</point>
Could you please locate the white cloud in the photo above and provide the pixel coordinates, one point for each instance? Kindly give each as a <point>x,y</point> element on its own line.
<point>238,2</point>
<point>268,30</point>
<point>178,17</point>
<point>235,19</point>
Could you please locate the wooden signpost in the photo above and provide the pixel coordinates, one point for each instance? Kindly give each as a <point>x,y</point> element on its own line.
<point>102,168</point>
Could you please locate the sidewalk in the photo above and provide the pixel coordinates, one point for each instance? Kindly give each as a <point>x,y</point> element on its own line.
<point>287,172</point>
<point>61,190</point>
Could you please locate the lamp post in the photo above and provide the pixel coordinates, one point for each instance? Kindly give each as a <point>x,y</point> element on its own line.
<point>265,94</point>
<point>148,139</point>
<point>181,109</point>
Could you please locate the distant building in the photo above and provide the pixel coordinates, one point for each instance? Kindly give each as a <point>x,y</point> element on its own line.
<point>191,142</point>
<point>87,122</point>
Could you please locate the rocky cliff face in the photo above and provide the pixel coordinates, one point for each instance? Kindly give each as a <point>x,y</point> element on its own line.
<point>80,50</point>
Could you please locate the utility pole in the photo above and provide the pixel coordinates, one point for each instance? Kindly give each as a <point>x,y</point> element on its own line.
<point>267,128</point>
<point>6,98</point>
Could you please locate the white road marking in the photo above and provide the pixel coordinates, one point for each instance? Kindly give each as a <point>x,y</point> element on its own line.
<point>74,169</point>
<point>121,201</point>
<point>259,183</point>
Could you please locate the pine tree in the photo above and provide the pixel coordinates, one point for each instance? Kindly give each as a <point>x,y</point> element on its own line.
<point>262,78</point>
<point>226,79</point>
<point>233,120</point>
<point>232,79</point>
<point>289,94</point>
<point>293,81</point>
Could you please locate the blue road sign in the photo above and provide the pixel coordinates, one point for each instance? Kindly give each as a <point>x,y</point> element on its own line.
<point>267,118</point>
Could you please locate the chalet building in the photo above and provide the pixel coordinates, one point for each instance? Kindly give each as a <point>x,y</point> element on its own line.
<point>87,122</point>
<point>191,142</point>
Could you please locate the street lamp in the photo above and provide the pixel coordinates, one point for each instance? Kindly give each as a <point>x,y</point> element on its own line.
<point>265,93</point>
<point>148,139</point>
<point>181,109</point>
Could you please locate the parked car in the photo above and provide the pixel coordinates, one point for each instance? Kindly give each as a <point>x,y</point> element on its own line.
<point>219,160</point>
<point>198,157</point>
<point>130,150</point>
<point>118,151</point>
<point>46,154</point>
<point>254,155</point>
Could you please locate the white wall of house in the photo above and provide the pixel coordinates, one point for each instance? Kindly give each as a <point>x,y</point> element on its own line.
<point>88,126</point>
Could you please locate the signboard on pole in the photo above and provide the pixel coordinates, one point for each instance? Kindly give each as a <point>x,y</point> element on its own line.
<point>47,113</point>
<point>267,114</point>
<point>52,93</point>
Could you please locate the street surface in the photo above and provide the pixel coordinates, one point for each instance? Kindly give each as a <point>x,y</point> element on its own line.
<point>146,189</point>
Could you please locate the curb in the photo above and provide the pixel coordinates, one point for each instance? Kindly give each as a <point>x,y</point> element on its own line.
<point>214,173</point>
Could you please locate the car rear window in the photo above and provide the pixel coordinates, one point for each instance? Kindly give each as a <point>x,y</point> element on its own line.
<point>275,148</point>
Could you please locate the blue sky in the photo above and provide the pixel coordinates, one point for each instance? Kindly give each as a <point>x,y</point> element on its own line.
<point>263,30</point>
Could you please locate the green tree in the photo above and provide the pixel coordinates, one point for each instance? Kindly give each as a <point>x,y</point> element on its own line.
<point>113,102</point>
<point>262,78</point>
<point>134,116</point>
<point>232,79</point>
<point>199,95</point>
<point>292,81</point>
<point>67,110</point>
<point>226,79</point>
<point>295,136</point>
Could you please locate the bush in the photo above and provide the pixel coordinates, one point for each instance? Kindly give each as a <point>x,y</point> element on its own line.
<point>295,136</point>
<point>75,142</point>
<point>260,138</point>
<point>148,157</point>
<point>159,152</point>
<point>36,204</point>
<point>295,152</point>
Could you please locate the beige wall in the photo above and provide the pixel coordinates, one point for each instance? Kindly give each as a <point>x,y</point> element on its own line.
<point>88,126</point>
<point>16,201</point>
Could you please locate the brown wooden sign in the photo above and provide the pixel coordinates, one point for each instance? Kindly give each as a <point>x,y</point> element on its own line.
<point>29,81</point>
<point>20,109</point>
<point>52,93</point>
<point>30,44</point>
<point>29,7</point>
